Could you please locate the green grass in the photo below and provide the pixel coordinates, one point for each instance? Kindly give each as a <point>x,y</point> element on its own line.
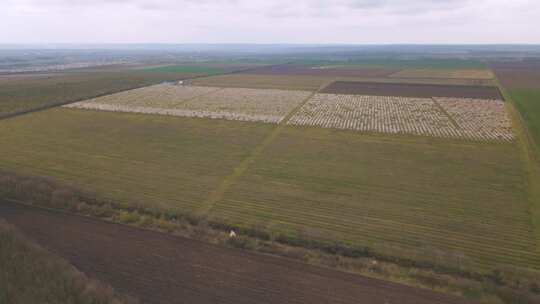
<point>26,92</point>
<point>459,204</point>
<point>528,103</point>
<point>29,274</point>
<point>190,69</point>
<point>160,162</point>
<point>518,87</point>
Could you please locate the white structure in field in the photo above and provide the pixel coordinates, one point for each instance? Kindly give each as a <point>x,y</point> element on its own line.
<point>474,119</point>
<point>261,105</point>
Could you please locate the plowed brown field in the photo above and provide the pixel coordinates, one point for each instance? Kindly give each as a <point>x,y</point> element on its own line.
<point>412,90</point>
<point>523,74</point>
<point>159,268</point>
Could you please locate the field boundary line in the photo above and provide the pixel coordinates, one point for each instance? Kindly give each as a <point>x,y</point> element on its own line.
<point>452,120</point>
<point>218,194</point>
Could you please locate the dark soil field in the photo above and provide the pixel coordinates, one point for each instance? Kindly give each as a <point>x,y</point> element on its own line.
<point>292,69</point>
<point>412,90</point>
<point>522,74</point>
<point>24,264</point>
<point>159,268</point>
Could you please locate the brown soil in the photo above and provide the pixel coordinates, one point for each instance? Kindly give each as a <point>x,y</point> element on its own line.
<point>412,90</point>
<point>291,69</point>
<point>522,74</point>
<point>160,268</point>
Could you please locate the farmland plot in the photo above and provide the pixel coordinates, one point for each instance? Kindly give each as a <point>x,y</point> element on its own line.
<point>159,268</point>
<point>461,118</point>
<point>419,116</point>
<point>20,93</point>
<point>444,73</point>
<point>416,90</point>
<point>479,119</point>
<point>452,202</point>
<point>256,81</point>
<point>519,74</point>
<point>247,104</point>
<point>324,71</point>
<point>209,102</point>
<point>159,161</point>
<point>158,96</point>
<point>312,83</point>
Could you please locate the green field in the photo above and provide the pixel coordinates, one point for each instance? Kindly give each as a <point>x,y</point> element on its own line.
<point>160,162</point>
<point>528,103</point>
<point>456,203</point>
<point>446,201</point>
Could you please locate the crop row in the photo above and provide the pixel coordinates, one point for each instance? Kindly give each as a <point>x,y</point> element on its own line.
<point>461,118</point>
<point>157,96</point>
<point>250,102</point>
<point>376,232</point>
<point>137,159</point>
<point>479,118</point>
<point>418,116</point>
<point>380,192</point>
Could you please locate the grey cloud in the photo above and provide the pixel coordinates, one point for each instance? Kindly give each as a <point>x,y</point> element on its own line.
<point>349,4</point>
<point>317,21</point>
<point>407,6</point>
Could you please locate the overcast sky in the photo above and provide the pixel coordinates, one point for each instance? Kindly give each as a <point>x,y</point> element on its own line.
<point>270,21</point>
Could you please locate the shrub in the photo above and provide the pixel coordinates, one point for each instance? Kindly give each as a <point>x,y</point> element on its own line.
<point>164,224</point>
<point>129,217</point>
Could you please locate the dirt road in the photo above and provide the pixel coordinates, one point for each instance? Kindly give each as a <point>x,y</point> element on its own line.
<point>159,268</point>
